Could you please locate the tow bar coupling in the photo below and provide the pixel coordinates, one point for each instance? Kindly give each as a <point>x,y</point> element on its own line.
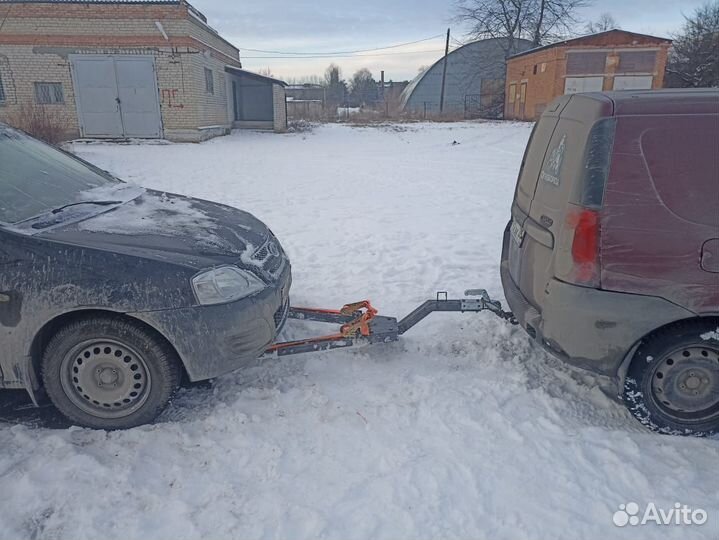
<point>360,323</point>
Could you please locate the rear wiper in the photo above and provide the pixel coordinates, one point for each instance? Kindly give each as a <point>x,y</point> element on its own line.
<point>99,203</point>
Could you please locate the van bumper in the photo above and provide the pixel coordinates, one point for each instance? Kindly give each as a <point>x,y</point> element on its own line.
<point>588,328</point>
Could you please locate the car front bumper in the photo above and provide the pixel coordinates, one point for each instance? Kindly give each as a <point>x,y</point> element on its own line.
<point>214,340</point>
<point>589,328</point>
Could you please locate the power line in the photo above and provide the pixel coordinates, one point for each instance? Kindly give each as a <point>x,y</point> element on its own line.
<point>459,44</point>
<point>342,52</point>
<point>340,55</point>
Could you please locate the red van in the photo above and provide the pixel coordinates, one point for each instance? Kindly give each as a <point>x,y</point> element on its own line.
<point>611,258</point>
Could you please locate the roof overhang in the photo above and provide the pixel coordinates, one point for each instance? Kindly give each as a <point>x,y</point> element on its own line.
<point>578,41</point>
<point>244,73</point>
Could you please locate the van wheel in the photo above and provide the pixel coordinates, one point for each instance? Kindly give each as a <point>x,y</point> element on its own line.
<point>109,373</point>
<point>672,385</point>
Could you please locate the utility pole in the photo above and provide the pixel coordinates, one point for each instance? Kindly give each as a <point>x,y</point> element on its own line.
<point>444,75</point>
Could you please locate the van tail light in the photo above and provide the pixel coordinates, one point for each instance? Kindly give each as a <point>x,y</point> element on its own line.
<point>581,263</point>
<point>585,246</point>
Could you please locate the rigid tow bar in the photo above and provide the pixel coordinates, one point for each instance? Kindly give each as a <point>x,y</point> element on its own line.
<point>360,323</point>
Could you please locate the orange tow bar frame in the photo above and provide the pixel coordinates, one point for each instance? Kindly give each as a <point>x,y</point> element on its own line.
<point>360,323</point>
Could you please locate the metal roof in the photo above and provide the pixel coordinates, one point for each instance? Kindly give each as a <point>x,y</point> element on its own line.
<point>573,41</point>
<point>474,63</point>
<point>665,101</point>
<point>252,75</point>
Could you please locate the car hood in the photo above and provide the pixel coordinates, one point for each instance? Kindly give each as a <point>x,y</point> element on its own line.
<point>171,228</point>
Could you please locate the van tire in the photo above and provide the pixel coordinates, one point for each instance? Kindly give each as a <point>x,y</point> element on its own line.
<point>672,383</point>
<point>129,373</point>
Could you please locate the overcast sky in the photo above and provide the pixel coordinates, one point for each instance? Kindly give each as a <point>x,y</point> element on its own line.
<point>330,26</point>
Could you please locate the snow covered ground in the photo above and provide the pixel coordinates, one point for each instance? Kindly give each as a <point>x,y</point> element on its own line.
<point>462,430</point>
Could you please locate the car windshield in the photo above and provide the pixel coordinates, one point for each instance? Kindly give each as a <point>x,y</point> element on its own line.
<point>36,178</point>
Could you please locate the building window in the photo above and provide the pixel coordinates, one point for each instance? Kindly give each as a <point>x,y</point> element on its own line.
<point>209,82</point>
<point>48,93</point>
<point>535,69</point>
<point>2,91</point>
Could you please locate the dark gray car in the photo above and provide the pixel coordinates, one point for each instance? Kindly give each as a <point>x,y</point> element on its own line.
<point>111,293</point>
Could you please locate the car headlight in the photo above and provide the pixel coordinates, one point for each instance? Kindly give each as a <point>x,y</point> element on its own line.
<point>225,284</point>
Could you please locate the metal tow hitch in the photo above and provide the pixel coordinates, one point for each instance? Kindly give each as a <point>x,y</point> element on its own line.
<point>360,323</point>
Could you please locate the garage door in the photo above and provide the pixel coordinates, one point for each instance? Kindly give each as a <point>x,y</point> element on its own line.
<point>573,85</point>
<point>633,82</point>
<point>117,96</point>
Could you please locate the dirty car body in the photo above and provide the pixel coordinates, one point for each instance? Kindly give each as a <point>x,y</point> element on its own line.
<point>613,245</point>
<point>75,241</point>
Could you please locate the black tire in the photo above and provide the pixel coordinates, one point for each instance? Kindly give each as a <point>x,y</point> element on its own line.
<point>672,385</point>
<point>129,374</point>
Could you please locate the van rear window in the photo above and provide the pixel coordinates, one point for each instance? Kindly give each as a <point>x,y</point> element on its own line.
<point>597,160</point>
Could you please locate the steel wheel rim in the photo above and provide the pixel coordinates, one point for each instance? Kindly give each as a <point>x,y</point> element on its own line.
<point>105,378</point>
<point>685,383</point>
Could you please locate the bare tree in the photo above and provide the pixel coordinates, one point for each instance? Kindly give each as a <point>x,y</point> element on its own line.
<point>539,21</point>
<point>333,75</point>
<point>555,19</point>
<point>602,24</point>
<point>336,87</point>
<point>266,72</point>
<point>363,88</point>
<point>507,19</point>
<point>316,80</point>
<point>694,61</point>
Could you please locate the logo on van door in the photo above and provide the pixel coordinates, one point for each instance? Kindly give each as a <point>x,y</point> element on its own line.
<point>550,173</point>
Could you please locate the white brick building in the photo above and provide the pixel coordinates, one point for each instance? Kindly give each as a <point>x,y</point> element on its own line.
<point>129,68</point>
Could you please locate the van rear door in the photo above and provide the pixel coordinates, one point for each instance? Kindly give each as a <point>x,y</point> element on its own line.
<point>548,184</point>
<point>534,157</point>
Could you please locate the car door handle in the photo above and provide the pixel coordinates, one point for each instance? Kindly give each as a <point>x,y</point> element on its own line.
<point>4,298</point>
<point>710,255</point>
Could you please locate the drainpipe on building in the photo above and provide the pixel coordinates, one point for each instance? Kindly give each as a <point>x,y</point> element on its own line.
<point>162,30</point>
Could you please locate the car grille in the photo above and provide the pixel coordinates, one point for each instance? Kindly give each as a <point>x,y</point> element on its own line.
<point>270,257</point>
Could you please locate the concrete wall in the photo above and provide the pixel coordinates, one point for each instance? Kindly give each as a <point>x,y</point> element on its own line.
<point>37,39</point>
<point>545,71</point>
<point>279,103</point>
<point>301,109</point>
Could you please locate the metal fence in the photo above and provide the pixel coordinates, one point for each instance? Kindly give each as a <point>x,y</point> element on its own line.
<point>486,105</point>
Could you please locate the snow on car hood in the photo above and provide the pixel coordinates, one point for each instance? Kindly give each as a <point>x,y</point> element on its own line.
<point>170,227</point>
